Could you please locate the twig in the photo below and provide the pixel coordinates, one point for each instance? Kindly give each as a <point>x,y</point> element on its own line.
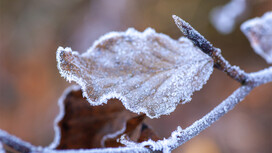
<point>15,143</point>
<point>25,147</point>
<point>219,62</point>
<point>214,115</point>
<point>260,77</point>
<point>179,137</point>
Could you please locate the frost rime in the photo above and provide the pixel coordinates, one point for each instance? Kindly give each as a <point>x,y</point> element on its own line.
<point>1,148</point>
<point>259,33</point>
<point>149,72</point>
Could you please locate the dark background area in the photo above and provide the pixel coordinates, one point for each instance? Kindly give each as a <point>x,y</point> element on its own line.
<point>32,30</point>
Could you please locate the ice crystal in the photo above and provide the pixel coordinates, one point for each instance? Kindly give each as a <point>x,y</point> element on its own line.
<point>149,72</point>
<point>224,17</point>
<point>259,33</point>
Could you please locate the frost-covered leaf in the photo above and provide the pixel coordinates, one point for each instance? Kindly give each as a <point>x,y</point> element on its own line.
<point>259,33</point>
<point>147,71</point>
<point>80,125</point>
<point>224,18</point>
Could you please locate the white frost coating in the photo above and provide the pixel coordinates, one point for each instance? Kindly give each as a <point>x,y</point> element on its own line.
<point>1,148</point>
<point>224,18</point>
<point>262,77</point>
<point>164,145</point>
<point>60,116</point>
<point>259,33</point>
<point>149,72</point>
<point>100,150</point>
<point>8,139</point>
<point>180,136</point>
<point>16,142</point>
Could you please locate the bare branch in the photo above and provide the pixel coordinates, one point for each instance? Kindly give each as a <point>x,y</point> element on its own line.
<point>261,77</point>
<point>25,147</point>
<point>180,136</point>
<point>15,143</point>
<point>219,61</point>
<point>214,115</point>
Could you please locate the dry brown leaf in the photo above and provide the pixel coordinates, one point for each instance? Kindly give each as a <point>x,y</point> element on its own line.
<point>149,72</point>
<point>129,129</point>
<point>147,133</point>
<point>81,125</point>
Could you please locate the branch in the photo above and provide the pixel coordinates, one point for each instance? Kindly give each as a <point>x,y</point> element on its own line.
<point>262,77</point>
<point>15,143</point>
<point>24,147</point>
<point>177,138</point>
<point>214,115</point>
<point>215,53</point>
<point>259,78</point>
<point>180,136</point>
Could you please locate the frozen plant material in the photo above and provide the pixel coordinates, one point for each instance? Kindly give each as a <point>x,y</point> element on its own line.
<point>77,116</point>
<point>225,17</point>
<point>149,72</point>
<point>14,143</point>
<point>1,148</point>
<point>259,33</point>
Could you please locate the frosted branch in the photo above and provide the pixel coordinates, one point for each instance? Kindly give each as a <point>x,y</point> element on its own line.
<point>180,136</point>
<point>15,143</point>
<point>219,61</point>
<point>24,147</point>
<point>261,77</point>
<point>214,115</point>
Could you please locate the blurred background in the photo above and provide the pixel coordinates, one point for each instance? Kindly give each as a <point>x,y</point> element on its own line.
<point>30,85</point>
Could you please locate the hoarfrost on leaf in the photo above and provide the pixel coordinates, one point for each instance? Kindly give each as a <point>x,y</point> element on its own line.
<point>149,72</point>
<point>259,33</point>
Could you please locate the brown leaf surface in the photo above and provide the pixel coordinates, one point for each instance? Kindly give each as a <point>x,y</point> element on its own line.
<point>81,125</point>
<point>129,130</point>
<point>149,72</point>
<point>147,133</point>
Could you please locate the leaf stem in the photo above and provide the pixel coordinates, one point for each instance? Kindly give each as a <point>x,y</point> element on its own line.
<point>215,53</point>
